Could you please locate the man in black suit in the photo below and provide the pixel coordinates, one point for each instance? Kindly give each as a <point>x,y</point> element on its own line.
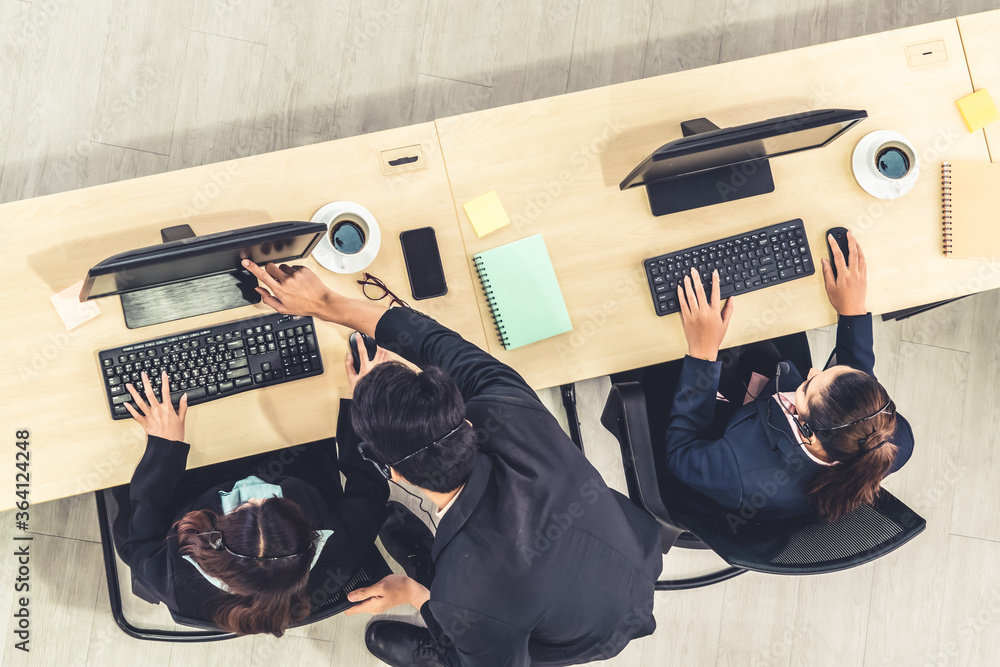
<point>536,560</point>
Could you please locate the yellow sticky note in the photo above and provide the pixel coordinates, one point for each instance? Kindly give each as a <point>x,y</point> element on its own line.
<point>978,110</point>
<point>486,213</point>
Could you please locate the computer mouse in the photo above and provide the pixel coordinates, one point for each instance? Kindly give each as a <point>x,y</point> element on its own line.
<point>840,236</point>
<point>370,344</point>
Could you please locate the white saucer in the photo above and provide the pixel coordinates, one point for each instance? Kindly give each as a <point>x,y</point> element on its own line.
<point>333,259</point>
<point>869,178</point>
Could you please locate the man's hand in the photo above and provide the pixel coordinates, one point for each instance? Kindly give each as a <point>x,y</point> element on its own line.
<point>847,292</point>
<point>158,418</point>
<point>392,591</point>
<point>366,365</point>
<point>705,323</point>
<point>294,290</point>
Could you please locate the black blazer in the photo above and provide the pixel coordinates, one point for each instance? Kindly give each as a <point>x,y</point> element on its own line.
<point>537,560</point>
<point>146,539</point>
<point>757,465</point>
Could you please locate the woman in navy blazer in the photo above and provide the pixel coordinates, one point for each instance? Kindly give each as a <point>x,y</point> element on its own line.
<point>250,554</point>
<point>823,444</point>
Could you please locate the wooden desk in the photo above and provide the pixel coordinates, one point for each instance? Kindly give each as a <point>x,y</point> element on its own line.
<point>51,377</point>
<point>981,39</point>
<point>556,164</point>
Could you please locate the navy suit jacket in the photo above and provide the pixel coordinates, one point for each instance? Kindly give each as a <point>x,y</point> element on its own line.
<point>145,533</point>
<point>758,466</point>
<point>537,561</point>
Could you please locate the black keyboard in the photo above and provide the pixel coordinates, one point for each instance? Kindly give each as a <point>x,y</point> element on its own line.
<point>746,262</point>
<point>211,363</point>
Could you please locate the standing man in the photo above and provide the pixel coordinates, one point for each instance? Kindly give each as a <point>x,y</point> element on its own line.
<point>536,560</point>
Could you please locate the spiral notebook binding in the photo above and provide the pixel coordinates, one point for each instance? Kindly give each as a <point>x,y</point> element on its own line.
<point>491,300</point>
<point>946,214</point>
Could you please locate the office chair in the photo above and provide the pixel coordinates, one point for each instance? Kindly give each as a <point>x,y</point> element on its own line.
<point>371,571</point>
<point>688,519</point>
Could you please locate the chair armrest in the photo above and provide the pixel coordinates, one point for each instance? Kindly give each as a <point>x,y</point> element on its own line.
<point>625,417</point>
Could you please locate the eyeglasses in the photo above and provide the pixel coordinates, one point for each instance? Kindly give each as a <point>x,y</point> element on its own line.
<point>369,454</point>
<point>215,541</point>
<point>376,290</point>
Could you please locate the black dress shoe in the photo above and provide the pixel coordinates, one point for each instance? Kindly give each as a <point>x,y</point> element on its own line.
<point>402,644</point>
<point>409,542</point>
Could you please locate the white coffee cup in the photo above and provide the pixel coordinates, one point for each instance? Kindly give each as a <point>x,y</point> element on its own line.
<point>352,239</point>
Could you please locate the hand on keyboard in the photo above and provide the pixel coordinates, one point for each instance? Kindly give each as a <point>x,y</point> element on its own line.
<point>158,418</point>
<point>705,322</point>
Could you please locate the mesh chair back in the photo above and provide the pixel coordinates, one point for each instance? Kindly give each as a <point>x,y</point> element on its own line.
<point>800,545</point>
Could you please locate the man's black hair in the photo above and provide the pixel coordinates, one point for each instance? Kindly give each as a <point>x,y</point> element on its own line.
<point>397,411</point>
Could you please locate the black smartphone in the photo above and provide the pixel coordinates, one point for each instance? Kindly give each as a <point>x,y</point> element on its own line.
<point>423,263</point>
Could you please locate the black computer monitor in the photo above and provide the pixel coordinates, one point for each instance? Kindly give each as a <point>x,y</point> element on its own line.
<point>712,165</point>
<point>194,275</point>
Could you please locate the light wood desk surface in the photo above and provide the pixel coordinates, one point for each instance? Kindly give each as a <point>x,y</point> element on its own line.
<point>981,39</point>
<point>51,378</point>
<point>556,164</point>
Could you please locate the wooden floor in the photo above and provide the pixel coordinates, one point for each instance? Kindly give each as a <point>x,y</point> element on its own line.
<point>93,91</point>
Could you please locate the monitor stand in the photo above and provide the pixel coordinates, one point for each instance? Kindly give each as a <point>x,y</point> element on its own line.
<point>714,186</point>
<point>196,296</point>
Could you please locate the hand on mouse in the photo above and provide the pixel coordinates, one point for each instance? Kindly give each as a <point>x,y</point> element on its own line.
<point>705,323</point>
<point>366,365</point>
<point>848,290</point>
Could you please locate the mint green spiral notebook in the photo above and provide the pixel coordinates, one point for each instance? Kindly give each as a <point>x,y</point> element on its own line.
<point>523,292</point>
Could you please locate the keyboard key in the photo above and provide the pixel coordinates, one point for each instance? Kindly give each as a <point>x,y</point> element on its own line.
<point>207,365</point>
<point>196,393</point>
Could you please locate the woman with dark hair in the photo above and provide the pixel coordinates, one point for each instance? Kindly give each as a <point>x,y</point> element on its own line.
<point>789,446</point>
<point>248,545</point>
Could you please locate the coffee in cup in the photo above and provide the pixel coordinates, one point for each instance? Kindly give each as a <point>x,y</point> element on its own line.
<point>347,237</point>
<point>892,162</point>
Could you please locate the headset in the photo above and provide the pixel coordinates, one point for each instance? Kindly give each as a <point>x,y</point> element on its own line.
<point>808,431</point>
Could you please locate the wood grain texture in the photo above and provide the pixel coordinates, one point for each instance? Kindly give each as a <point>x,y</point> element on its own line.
<point>947,326</point>
<point>435,97</point>
<point>56,243</point>
<point>12,38</point>
<point>758,620</point>
<point>50,150</point>
<point>460,40</point>
<point>534,50</point>
<point>381,61</point>
<point>609,43</point>
<point>977,503</point>
<point>831,620</point>
<point>246,20</point>
<point>980,36</point>
<point>969,632</point>
<point>927,600</point>
<point>683,36</point>
<point>64,576</point>
<point>556,164</point>
<point>302,67</point>
<point>213,122</point>
<point>141,74</point>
